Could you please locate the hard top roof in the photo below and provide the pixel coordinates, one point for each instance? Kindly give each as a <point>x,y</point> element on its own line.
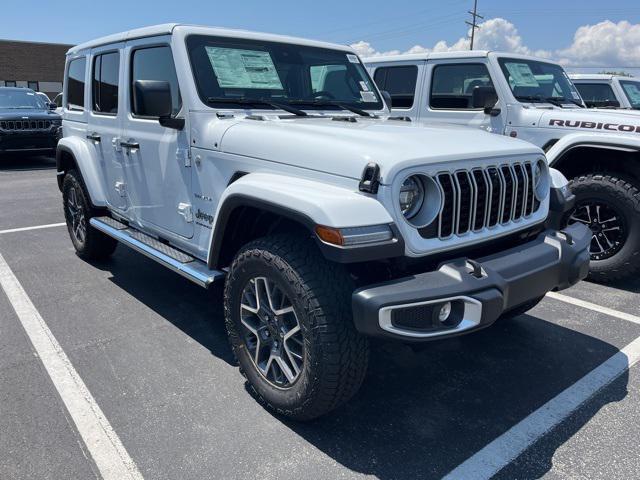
<point>453,55</point>
<point>170,28</point>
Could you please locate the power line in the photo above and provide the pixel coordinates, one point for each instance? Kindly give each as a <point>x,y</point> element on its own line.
<point>474,23</point>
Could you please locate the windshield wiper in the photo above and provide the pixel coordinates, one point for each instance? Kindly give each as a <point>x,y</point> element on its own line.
<point>557,101</point>
<point>562,99</point>
<point>333,103</point>
<point>258,101</point>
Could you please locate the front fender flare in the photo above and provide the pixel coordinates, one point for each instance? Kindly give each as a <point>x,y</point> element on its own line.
<point>593,140</point>
<point>307,202</point>
<point>87,163</point>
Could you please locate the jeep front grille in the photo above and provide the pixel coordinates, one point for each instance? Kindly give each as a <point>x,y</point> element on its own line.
<point>480,198</point>
<point>25,125</point>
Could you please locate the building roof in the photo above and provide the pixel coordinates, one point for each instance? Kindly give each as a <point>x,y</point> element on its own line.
<point>170,28</point>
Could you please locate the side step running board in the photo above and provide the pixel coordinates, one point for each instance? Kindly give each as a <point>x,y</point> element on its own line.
<point>172,258</point>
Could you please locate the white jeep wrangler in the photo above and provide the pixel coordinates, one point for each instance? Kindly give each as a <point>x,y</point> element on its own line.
<point>534,100</point>
<point>608,91</point>
<point>270,163</point>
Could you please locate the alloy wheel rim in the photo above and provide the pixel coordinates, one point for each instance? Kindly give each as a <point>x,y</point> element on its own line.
<point>607,226</point>
<point>76,213</point>
<point>272,333</point>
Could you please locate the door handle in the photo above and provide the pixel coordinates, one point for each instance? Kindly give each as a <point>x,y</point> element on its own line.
<point>94,137</point>
<point>130,145</point>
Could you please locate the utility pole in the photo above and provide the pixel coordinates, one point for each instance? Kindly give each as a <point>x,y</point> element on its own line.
<point>474,23</point>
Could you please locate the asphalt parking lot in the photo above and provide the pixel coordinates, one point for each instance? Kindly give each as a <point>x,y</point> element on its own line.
<point>547,394</point>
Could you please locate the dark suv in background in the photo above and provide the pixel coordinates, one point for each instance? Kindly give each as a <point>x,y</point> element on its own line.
<point>27,124</point>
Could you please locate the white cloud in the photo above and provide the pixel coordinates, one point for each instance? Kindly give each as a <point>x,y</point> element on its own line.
<point>602,44</point>
<point>605,43</point>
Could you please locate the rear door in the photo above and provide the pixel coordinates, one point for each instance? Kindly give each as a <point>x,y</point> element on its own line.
<point>403,81</point>
<point>105,118</point>
<point>157,164</point>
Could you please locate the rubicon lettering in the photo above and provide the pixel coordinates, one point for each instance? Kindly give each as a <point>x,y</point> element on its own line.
<point>614,127</point>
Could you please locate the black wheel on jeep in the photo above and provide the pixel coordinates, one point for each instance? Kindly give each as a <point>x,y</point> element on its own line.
<point>610,206</point>
<point>288,315</point>
<point>89,243</point>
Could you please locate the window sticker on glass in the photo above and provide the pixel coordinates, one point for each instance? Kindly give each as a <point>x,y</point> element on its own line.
<point>235,68</point>
<point>522,75</point>
<point>352,58</point>
<point>368,97</point>
<point>633,91</point>
<point>364,86</point>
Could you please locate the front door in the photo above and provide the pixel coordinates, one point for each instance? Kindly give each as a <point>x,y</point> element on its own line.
<point>449,92</point>
<point>104,124</point>
<point>157,164</point>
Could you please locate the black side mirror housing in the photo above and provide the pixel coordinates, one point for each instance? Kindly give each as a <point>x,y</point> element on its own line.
<point>386,96</point>
<point>52,106</point>
<point>485,97</point>
<point>152,98</point>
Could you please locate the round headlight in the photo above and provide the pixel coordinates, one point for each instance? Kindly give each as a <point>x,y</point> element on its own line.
<point>411,196</point>
<point>540,179</point>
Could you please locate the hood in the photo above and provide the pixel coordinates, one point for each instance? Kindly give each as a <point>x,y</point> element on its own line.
<point>585,120</point>
<point>345,147</point>
<point>621,111</point>
<point>29,113</point>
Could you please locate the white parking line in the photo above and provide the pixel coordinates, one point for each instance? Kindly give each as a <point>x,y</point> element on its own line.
<point>596,308</point>
<point>101,440</point>
<point>508,446</point>
<point>37,227</point>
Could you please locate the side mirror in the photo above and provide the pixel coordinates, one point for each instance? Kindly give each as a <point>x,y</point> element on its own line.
<point>484,97</point>
<point>152,98</point>
<point>52,105</point>
<point>386,96</point>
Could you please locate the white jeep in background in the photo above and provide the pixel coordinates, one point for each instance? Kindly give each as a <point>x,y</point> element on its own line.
<point>608,91</point>
<point>270,163</point>
<point>533,99</point>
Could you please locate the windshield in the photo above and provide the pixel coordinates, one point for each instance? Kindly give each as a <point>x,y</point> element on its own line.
<point>537,82</point>
<point>632,91</point>
<point>20,98</point>
<point>228,69</point>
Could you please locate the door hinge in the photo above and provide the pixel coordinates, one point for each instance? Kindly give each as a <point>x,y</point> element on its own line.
<point>184,155</point>
<point>184,209</point>
<point>121,188</point>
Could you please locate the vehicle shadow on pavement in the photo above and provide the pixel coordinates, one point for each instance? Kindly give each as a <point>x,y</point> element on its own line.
<point>421,414</point>
<point>18,162</point>
<point>195,311</point>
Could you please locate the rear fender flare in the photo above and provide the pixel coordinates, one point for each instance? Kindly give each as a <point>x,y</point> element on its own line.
<point>85,160</point>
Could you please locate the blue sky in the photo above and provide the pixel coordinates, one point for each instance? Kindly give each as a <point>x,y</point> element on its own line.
<point>398,25</point>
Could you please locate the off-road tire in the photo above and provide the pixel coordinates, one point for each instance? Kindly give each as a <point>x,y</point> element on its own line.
<point>96,245</point>
<point>520,309</point>
<point>335,354</point>
<point>622,194</point>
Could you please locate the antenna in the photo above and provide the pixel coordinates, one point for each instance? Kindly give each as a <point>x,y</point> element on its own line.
<point>474,23</point>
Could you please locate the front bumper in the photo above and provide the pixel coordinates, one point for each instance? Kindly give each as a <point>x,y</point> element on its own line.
<point>29,141</point>
<point>481,290</point>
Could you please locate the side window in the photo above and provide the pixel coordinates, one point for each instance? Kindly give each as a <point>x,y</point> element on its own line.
<point>75,84</point>
<point>104,86</point>
<point>156,63</point>
<point>596,92</point>
<point>400,82</point>
<point>452,85</point>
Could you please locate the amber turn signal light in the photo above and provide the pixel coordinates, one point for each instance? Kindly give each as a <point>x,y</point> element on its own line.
<point>329,235</point>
